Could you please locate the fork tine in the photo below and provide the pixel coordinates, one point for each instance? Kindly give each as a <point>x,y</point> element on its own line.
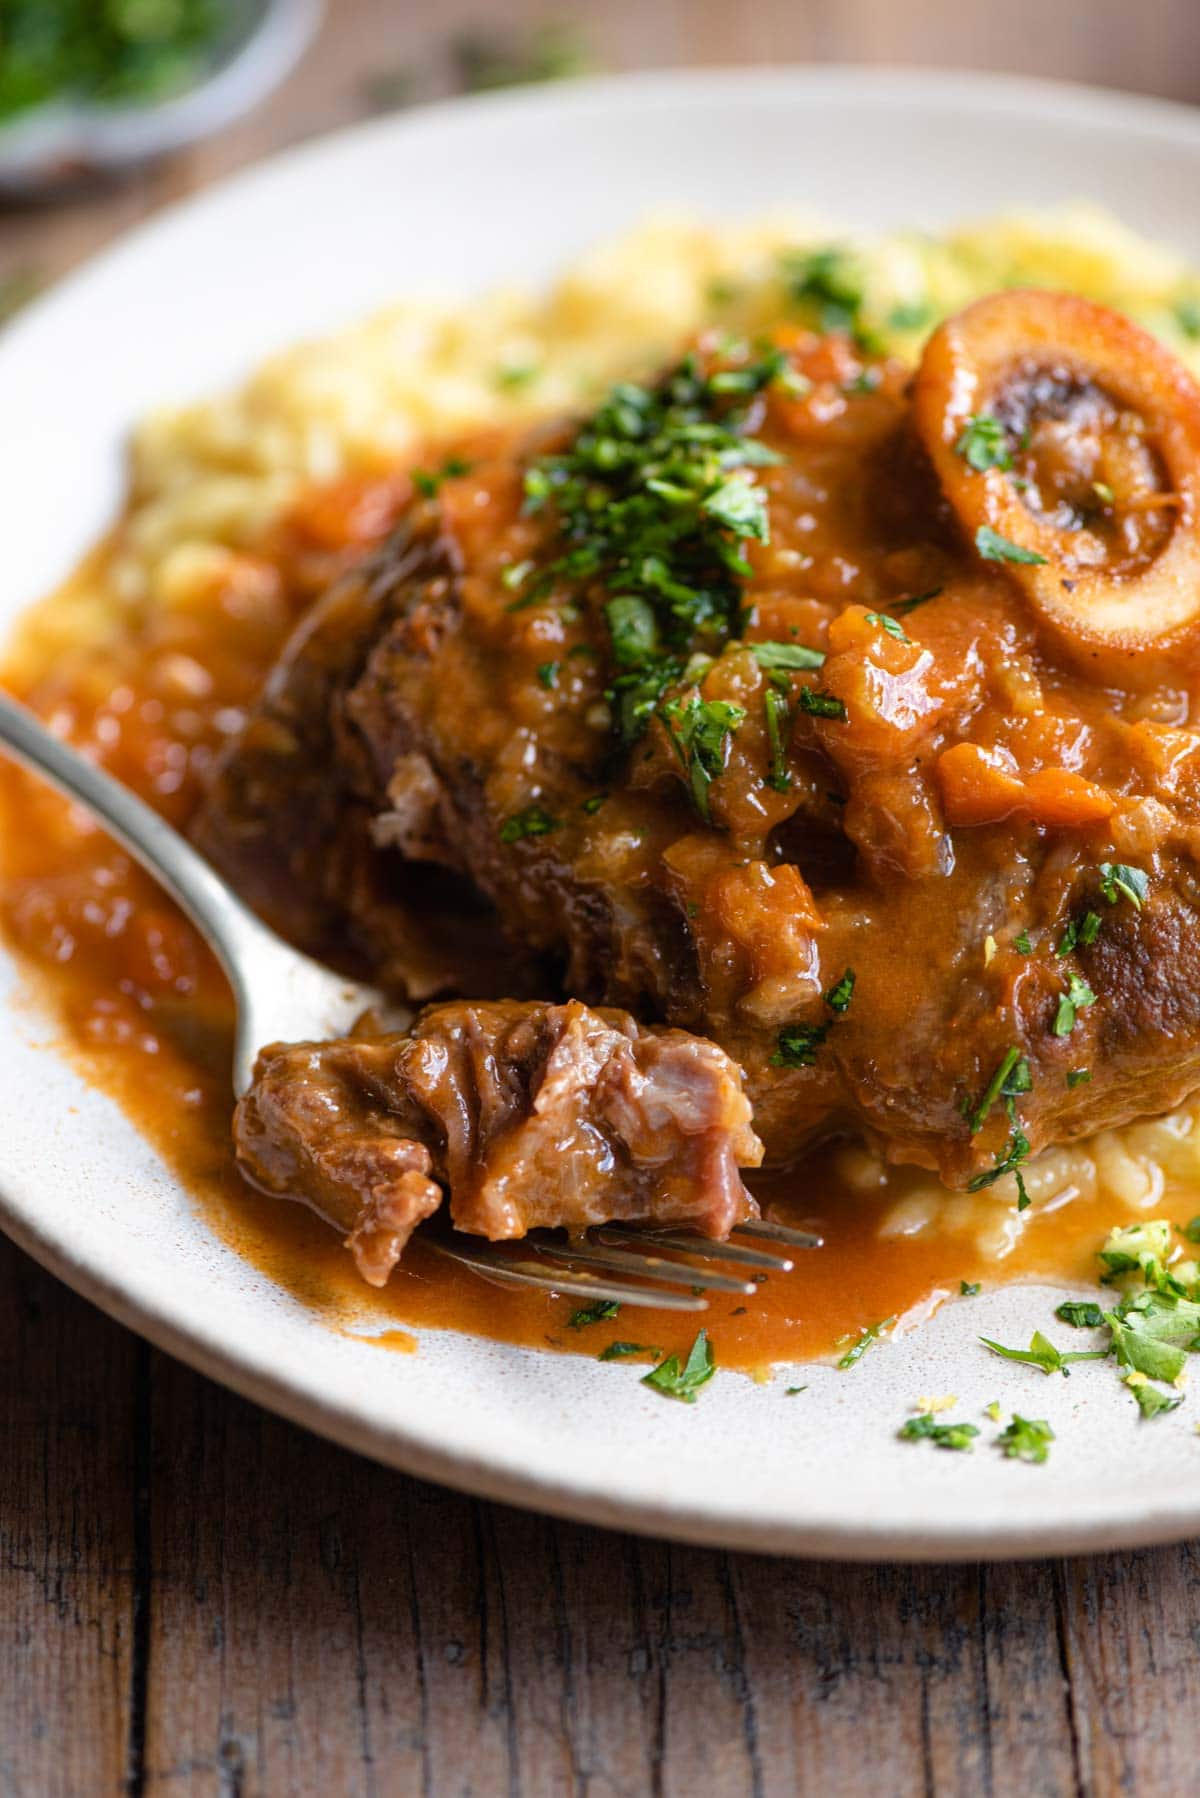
<point>490,1265</point>
<point>700,1246</point>
<point>796,1239</point>
<point>650,1267</point>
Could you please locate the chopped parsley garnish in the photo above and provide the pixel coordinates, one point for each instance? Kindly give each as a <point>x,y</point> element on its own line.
<point>624,1351</point>
<point>863,1342</point>
<point>428,484</point>
<point>969,1289</point>
<point>1117,881</point>
<point>995,548</point>
<point>828,288</point>
<point>891,625</point>
<point>1187,315</point>
<point>1077,998</point>
<point>791,1391</point>
<point>740,506</point>
<point>513,578</point>
<point>797,1045</point>
<point>1023,943</point>
<point>926,1428</point>
<point>840,994</point>
<point>1042,1353</point>
<point>1151,1330</point>
<point>1081,1314</point>
<point>910,315</point>
<point>700,730</point>
<point>984,443</point>
<point>596,1313</point>
<point>1016,1151</point>
<point>776,712</point>
<point>1190,1230</point>
<point>592,803</point>
<point>654,500</point>
<point>1152,1401</point>
<point>1011,1078</point>
<point>821,705</point>
<point>721,291</point>
<point>674,1381</point>
<point>1143,1353</point>
<point>635,695</point>
<point>547,673</point>
<point>1080,932</point>
<point>1026,1439</point>
<point>786,655</point>
<point>1077,1077</point>
<point>516,375</point>
<point>534,821</point>
<point>632,628</point>
<point>1136,1248</point>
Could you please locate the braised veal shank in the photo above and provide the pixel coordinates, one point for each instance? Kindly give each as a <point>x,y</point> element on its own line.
<point>843,719</point>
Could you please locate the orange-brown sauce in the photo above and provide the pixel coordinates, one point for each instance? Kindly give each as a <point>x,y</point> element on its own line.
<point>147,1014</point>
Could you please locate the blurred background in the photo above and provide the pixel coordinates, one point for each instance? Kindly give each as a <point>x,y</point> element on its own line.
<point>86,86</point>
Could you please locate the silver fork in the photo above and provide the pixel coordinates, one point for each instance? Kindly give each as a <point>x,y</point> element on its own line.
<point>283,996</point>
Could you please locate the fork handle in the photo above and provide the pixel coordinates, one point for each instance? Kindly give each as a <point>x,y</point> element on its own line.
<point>231,929</point>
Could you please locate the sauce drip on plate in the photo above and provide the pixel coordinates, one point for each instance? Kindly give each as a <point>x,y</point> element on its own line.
<point>145,1011</point>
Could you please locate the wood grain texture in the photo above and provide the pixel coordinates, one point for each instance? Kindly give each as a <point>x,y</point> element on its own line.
<point>196,1598</point>
<point>72,1613</point>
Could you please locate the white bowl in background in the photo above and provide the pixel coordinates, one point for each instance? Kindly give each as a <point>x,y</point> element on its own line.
<point>63,141</point>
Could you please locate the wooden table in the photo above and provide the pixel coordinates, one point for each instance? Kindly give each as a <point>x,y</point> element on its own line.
<point>198,1598</point>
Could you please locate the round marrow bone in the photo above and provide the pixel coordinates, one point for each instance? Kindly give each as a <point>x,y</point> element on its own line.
<point>1095,469</point>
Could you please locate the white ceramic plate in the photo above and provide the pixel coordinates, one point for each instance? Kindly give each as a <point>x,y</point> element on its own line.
<point>491,190</point>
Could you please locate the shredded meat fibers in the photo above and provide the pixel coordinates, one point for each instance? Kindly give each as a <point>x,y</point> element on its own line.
<point>531,1115</point>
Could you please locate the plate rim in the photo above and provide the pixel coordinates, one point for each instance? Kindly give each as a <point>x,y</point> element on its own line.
<point>422,1451</point>
<point>1079,102</point>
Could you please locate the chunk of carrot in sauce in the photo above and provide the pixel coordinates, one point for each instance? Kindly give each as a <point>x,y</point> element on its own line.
<point>1066,801</point>
<point>975,789</point>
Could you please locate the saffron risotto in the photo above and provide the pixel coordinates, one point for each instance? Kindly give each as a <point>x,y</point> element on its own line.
<point>208,482</point>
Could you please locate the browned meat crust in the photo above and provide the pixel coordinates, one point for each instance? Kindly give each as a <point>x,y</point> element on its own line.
<point>935,814</point>
<point>530,1115</point>
<point>296,819</point>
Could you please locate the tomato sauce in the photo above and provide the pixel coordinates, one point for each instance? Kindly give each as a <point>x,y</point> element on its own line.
<point>146,1013</point>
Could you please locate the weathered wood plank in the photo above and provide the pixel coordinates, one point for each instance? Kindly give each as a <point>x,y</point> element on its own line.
<point>321,1624</point>
<point>926,1673</point>
<point>281,1605</point>
<point>1132,1647</point>
<point>69,1576</point>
